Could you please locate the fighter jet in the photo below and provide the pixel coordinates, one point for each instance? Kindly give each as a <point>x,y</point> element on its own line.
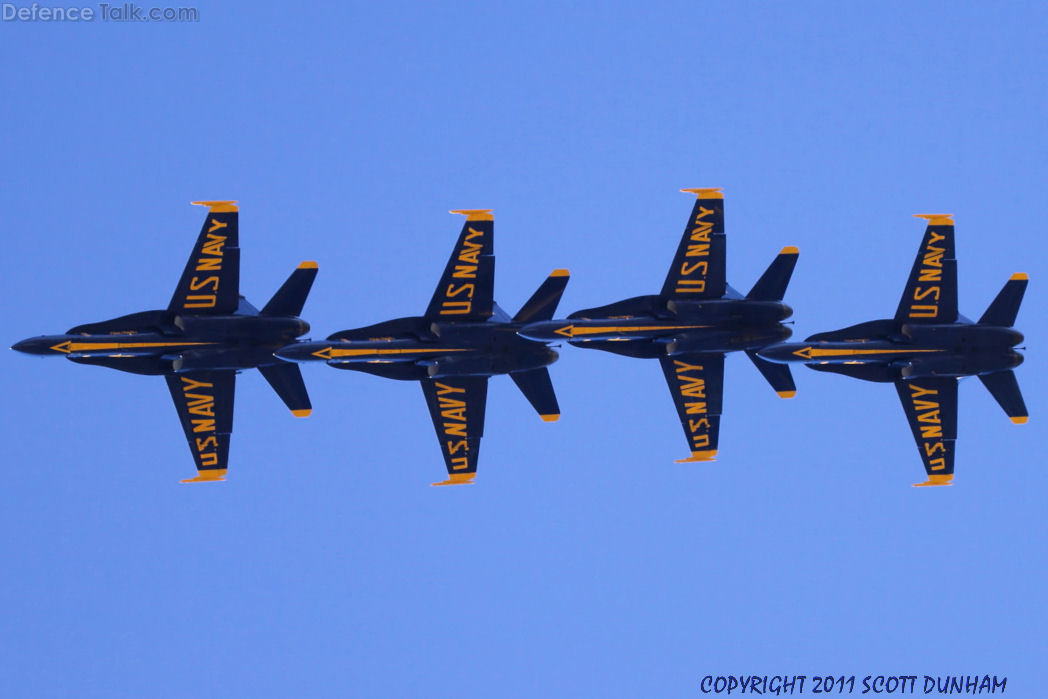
<point>926,347</point>
<point>463,338</point>
<point>205,336</point>
<point>692,323</point>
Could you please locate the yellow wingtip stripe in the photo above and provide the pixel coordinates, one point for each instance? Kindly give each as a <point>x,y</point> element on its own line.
<point>937,219</point>
<point>1019,277</point>
<point>1021,419</point>
<point>560,273</point>
<point>707,455</point>
<point>475,214</point>
<point>936,480</point>
<point>706,192</point>
<point>208,476</point>
<point>786,394</point>
<point>790,250</point>
<point>219,206</point>
<point>458,479</point>
<point>552,417</point>
<point>309,264</point>
<point>304,412</point>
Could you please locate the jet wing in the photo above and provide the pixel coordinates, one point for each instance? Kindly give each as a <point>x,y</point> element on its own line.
<point>456,405</point>
<point>698,270</point>
<point>931,409</point>
<point>931,291</point>
<point>696,382</point>
<point>210,283</point>
<point>465,291</point>
<point>204,400</point>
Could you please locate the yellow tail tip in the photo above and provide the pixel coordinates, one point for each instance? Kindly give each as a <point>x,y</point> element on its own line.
<point>218,206</point>
<point>786,394</point>
<point>309,264</point>
<point>560,273</point>
<point>1020,277</point>
<point>209,476</point>
<point>790,250</point>
<point>935,480</point>
<point>475,214</point>
<point>304,412</point>
<point>706,192</point>
<point>707,455</point>
<point>1021,419</point>
<point>552,417</point>
<point>937,219</point>
<point>458,479</point>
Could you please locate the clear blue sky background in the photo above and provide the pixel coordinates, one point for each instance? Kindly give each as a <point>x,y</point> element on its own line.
<point>584,562</point>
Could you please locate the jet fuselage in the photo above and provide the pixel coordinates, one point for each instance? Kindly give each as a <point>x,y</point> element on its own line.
<point>415,348</point>
<point>913,350</point>
<point>670,328</point>
<point>172,344</point>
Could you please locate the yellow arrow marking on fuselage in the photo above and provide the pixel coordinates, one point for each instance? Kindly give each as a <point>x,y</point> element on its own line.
<point>70,346</point>
<point>331,352</point>
<point>573,331</point>
<point>811,352</point>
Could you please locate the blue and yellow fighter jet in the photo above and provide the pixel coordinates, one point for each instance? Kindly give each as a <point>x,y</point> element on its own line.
<point>926,348</point>
<point>463,339</point>
<point>207,334</point>
<point>692,323</point>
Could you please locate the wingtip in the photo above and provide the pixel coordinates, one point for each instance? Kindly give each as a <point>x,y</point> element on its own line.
<point>475,214</point>
<point>552,417</point>
<point>560,273</point>
<point>706,192</point>
<point>457,479</point>
<point>1019,277</point>
<point>1020,419</point>
<point>707,455</point>
<point>303,412</point>
<point>935,481</point>
<point>225,206</point>
<point>786,394</point>
<point>210,476</point>
<point>790,250</point>
<point>309,264</point>
<point>937,219</point>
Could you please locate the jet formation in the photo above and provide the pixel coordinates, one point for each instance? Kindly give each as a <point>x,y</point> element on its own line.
<point>209,332</point>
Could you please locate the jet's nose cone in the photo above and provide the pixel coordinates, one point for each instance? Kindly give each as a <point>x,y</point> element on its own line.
<point>546,331</point>
<point>781,353</point>
<point>297,352</point>
<point>33,345</point>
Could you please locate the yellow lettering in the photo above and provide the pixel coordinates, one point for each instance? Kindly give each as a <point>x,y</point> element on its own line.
<point>215,225</point>
<point>455,291</point>
<point>920,293</point>
<point>443,389</point>
<point>465,272</point>
<point>916,391</point>
<point>189,384</point>
<point>209,264</point>
<point>203,425</point>
<point>196,283</point>
<point>199,301</point>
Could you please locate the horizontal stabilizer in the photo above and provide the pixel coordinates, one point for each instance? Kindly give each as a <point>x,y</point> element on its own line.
<point>1005,307</point>
<point>778,375</point>
<point>291,296</point>
<point>543,303</point>
<point>772,284</point>
<point>538,389</point>
<point>286,380</point>
<point>1005,390</point>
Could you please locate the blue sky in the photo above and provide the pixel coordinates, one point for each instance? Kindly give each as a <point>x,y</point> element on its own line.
<point>584,562</point>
